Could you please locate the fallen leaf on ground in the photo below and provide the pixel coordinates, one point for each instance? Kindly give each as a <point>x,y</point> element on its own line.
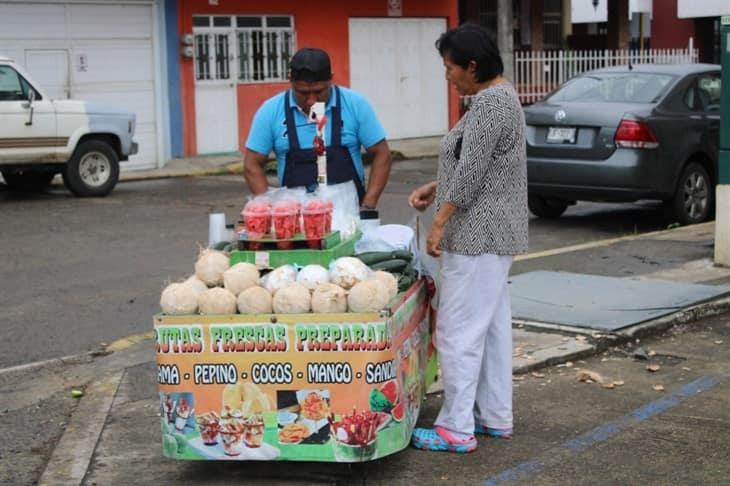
<point>518,378</point>
<point>569,364</point>
<point>652,353</point>
<point>581,338</point>
<point>685,368</point>
<point>609,386</point>
<point>538,375</point>
<point>77,393</point>
<point>653,367</point>
<point>587,376</point>
<point>718,341</point>
<point>658,387</point>
<point>619,383</point>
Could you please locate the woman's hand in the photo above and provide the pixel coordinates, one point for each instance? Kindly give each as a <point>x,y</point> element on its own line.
<point>433,241</point>
<point>422,197</point>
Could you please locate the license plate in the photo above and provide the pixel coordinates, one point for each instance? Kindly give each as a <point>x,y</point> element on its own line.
<point>561,135</point>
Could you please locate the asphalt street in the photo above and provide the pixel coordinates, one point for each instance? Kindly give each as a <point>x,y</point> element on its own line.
<point>76,273</point>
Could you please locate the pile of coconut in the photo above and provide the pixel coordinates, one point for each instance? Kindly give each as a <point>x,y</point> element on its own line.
<point>219,288</point>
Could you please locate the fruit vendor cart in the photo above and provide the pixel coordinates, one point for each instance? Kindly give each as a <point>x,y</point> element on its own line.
<point>296,387</point>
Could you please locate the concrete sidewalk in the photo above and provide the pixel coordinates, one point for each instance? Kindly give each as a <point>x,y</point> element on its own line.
<point>204,165</point>
<point>114,429</point>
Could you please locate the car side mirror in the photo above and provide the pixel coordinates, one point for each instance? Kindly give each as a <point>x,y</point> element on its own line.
<point>31,96</point>
<point>31,99</point>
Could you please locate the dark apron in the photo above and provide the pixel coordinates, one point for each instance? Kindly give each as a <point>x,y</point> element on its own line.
<point>301,164</point>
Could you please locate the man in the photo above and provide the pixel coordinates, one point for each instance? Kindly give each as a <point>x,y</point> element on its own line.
<point>284,124</point>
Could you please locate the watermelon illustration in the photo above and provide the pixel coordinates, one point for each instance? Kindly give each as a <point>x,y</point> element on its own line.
<point>379,402</point>
<point>397,412</point>
<point>390,390</point>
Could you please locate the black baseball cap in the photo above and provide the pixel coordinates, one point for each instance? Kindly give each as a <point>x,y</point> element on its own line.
<point>310,64</point>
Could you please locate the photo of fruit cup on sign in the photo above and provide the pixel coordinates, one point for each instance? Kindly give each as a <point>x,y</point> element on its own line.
<point>356,434</point>
<point>240,425</point>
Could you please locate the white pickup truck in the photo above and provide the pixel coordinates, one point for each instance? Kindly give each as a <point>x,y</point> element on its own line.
<point>41,137</point>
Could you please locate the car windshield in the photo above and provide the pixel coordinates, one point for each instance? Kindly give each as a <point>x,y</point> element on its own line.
<point>614,88</point>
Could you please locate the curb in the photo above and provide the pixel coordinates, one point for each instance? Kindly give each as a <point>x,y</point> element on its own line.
<point>72,454</point>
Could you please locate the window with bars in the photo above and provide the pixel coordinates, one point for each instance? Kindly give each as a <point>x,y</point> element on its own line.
<point>248,48</point>
<point>552,24</point>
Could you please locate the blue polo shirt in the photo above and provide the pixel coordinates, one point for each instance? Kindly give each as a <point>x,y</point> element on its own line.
<point>360,127</point>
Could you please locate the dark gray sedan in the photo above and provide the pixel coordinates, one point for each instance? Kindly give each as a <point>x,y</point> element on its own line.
<point>624,133</point>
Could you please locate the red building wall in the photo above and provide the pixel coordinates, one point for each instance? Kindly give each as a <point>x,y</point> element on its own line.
<point>318,23</point>
<point>668,31</point>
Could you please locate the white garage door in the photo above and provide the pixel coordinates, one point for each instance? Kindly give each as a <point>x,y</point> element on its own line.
<point>93,52</point>
<point>395,64</point>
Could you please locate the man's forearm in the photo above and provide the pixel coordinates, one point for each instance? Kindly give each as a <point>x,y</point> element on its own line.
<point>378,175</point>
<point>254,173</point>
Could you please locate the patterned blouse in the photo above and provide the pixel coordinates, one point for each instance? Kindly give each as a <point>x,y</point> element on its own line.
<point>483,172</point>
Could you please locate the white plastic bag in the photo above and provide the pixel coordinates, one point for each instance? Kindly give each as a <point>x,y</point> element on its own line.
<point>346,211</point>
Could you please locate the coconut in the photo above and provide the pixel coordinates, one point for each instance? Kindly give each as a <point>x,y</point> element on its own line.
<point>329,298</point>
<point>217,301</point>
<point>240,277</point>
<point>197,284</point>
<point>210,267</point>
<point>254,300</point>
<point>347,271</point>
<point>179,299</point>
<point>387,280</point>
<point>278,278</point>
<point>293,299</point>
<point>313,275</point>
<point>367,296</point>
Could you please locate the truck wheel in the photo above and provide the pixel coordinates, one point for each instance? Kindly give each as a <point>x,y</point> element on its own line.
<point>93,170</point>
<point>543,207</point>
<point>693,197</point>
<point>28,180</point>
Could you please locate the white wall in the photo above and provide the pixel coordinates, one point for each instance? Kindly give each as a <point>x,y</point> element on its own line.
<point>705,8</point>
<point>583,11</point>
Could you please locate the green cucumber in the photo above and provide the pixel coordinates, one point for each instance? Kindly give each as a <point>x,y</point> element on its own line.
<point>220,245</point>
<point>372,257</point>
<point>392,266</point>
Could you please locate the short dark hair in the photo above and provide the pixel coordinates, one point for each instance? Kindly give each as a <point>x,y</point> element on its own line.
<point>470,42</point>
<point>310,64</point>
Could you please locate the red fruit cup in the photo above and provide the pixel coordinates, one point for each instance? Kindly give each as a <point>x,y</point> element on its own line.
<point>315,225</point>
<point>285,223</point>
<point>257,218</point>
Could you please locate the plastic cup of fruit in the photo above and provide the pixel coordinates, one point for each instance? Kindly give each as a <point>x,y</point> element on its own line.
<point>315,226</point>
<point>254,433</point>
<point>345,452</point>
<point>231,441</point>
<point>257,218</point>
<point>285,223</point>
<point>209,429</point>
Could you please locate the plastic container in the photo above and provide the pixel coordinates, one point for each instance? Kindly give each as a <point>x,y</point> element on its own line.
<point>317,220</point>
<point>285,217</point>
<point>257,218</point>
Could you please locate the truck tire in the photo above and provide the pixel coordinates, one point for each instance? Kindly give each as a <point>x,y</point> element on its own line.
<point>93,170</point>
<point>692,202</point>
<point>545,207</point>
<point>28,180</point>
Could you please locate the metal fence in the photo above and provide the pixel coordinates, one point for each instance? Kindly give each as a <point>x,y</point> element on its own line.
<point>537,73</point>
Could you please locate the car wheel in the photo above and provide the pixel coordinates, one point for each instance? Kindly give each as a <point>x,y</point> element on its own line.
<point>543,207</point>
<point>693,197</point>
<point>93,171</point>
<point>28,180</point>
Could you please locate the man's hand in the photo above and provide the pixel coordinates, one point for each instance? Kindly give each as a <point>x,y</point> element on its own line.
<point>423,197</point>
<point>254,171</point>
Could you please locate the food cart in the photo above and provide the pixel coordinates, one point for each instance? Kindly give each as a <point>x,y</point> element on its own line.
<point>331,387</point>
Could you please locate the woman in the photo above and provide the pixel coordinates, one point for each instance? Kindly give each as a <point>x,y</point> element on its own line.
<point>480,223</point>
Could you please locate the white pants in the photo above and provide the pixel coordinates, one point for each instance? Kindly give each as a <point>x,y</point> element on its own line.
<point>474,342</point>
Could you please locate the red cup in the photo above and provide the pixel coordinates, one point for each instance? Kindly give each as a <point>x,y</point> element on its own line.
<point>257,218</point>
<point>285,223</point>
